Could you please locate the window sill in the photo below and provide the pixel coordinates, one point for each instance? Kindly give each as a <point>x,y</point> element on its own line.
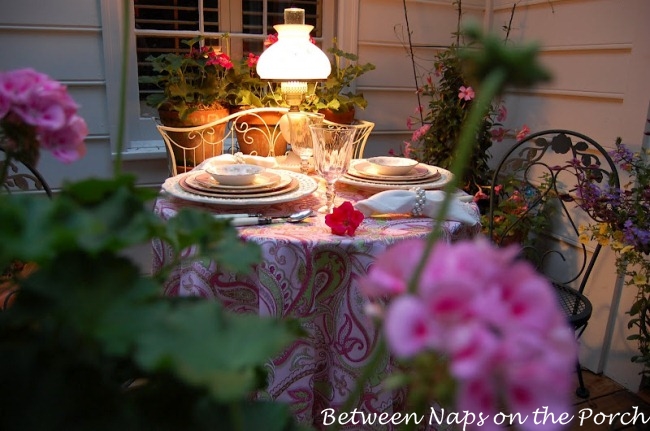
<point>144,151</point>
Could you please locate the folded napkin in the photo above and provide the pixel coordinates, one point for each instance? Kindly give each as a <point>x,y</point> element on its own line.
<point>418,203</point>
<point>229,159</point>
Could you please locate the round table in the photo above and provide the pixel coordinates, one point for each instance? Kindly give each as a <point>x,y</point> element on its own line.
<point>310,274</point>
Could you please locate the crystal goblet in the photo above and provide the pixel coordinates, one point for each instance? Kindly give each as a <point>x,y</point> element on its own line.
<point>300,137</point>
<point>333,145</point>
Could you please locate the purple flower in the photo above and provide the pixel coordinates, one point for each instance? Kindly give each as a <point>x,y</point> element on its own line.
<point>626,211</point>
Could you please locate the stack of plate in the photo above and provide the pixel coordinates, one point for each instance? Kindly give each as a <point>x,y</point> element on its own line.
<point>362,173</point>
<point>266,183</point>
<point>270,186</point>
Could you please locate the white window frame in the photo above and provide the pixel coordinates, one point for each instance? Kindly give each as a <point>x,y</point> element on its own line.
<point>140,138</point>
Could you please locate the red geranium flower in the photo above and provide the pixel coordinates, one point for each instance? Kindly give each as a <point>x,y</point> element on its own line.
<point>344,219</point>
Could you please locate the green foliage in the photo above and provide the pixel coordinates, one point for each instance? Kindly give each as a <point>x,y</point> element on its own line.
<point>87,325</point>
<point>335,93</point>
<point>522,210</point>
<point>196,80</point>
<point>247,89</point>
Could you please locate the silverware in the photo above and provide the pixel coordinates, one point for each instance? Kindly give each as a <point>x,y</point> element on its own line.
<point>252,221</point>
<point>240,215</point>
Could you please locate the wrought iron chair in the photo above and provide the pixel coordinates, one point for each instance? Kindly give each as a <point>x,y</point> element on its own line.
<point>364,128</point>
<point>249,131</point>
<point>543,172</point>
<point>246,130</point>
<point>21,177</point>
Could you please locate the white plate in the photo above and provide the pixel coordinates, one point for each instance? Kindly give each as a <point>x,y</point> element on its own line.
<point>436,183</point>
<point>264,181</point>
<point>362,169</point>
<point>306,186</point>
<point>244,194</point>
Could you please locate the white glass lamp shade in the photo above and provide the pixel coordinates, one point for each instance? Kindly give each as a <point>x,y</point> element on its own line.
<point>293,57</point>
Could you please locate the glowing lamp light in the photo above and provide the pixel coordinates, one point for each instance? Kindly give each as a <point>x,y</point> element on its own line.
<point>293,60</point>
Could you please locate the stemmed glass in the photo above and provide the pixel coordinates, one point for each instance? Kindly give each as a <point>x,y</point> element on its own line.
<point>300,137</point>
<point>332,153</point>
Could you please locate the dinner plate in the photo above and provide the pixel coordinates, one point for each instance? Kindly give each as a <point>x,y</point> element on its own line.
<point>364,169</point>
<point>246,194</point>
<point>437,182</point>
<point>267,181</point>
<point>306,186</point>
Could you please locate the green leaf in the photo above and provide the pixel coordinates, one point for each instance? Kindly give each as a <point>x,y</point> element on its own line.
<point>203,345</point>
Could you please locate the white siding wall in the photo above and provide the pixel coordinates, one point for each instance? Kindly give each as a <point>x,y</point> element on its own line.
<point>64,39</point>
<point>47,37</point>
<point>598,50</point>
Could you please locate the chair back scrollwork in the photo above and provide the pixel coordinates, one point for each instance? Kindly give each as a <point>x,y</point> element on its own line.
<point>22,177</point>
<point>256,131</point>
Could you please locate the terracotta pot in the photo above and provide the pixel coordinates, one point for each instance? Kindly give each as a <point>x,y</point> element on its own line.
<point>260,134</point>
<point>339,117</point>
<point>189,152</point>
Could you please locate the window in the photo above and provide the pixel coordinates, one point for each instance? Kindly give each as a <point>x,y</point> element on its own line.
<point>162,25</point>
<point>159,26</point>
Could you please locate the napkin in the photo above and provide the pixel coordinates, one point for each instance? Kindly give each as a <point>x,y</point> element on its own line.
<point>419,203</point>
<point>229,159</point>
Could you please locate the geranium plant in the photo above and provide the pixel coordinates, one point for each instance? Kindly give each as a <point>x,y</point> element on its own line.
<point>89,341</point>
<point>37,112</point>
<point>623,216</point>
<point>247,89</point>
<point>198,79</point>
<point>479,338</point>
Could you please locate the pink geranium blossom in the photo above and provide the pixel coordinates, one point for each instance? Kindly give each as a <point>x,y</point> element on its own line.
<point>252,60</point>
<point>492,315</point>
<point>466,93</point>
<point>35,111</point>
<point>391,271</point>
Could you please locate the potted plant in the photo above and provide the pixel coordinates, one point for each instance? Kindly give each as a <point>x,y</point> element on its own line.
<point>195,89</point>
<point>334,98</point>
<point>256,132</point>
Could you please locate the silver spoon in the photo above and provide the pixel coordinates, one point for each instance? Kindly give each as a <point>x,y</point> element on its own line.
<point>292,218</point>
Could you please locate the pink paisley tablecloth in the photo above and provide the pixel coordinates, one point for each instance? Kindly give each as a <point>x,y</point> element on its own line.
<point>310,274</point>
